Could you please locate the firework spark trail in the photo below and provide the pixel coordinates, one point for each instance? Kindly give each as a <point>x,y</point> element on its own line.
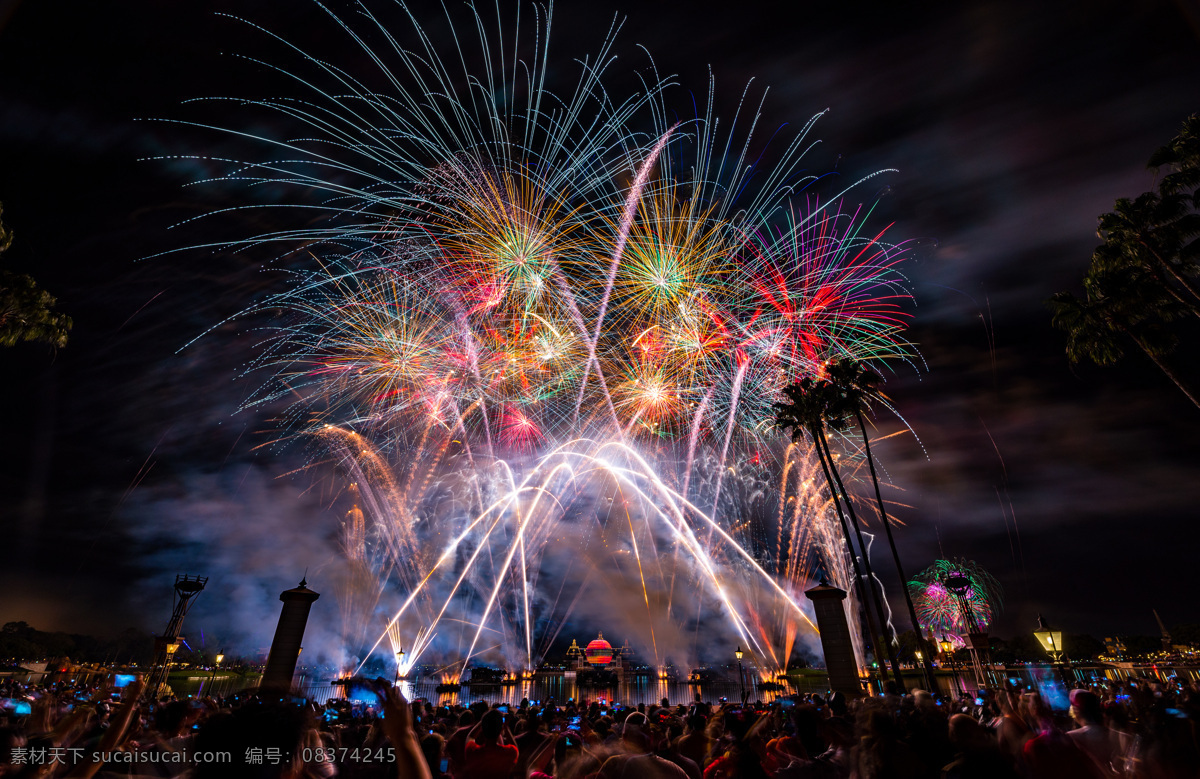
<point>495,308</point>
<point>637,554</point>
<point>678,500</point>
<point>737,391</point>
<point>679,526</point>
<point>631,204</point>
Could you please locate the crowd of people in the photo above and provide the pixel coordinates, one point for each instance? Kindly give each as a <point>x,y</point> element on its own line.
<point>1143,730</point>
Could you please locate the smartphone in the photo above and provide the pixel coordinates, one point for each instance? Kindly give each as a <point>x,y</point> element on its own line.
<point>122,680</point>
<point>787,703</point>
<point>979,701</point>
<point>503,709</point>
<point>22,708</point>
<point>445,766</point>
<point>573,722</point>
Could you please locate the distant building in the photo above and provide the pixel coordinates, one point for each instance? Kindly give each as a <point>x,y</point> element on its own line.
<point>599,659</point>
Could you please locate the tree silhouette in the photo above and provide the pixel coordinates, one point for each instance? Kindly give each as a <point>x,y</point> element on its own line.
<point>27,311</point>
<point>857,385</point>
<point>1120,305</point>
<point>810,405</point>
<point>1144,277</point>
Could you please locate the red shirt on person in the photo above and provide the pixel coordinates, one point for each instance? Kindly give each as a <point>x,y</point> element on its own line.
<point>489,761</point>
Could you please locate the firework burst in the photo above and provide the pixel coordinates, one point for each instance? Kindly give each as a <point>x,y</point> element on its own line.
<point>943,612</point>
<point>566,319</point>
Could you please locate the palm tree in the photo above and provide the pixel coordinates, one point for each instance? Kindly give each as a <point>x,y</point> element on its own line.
<point>27,311</point>
<point>1119,304</point>
<point>1158,230</point>
<point>805,411</point>
<point>1151,232</point>
<point>1144,275</point>
<point>836,416</point>
<point>858,384</point>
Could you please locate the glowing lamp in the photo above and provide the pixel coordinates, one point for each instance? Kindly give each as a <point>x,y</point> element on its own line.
<point>172,647</point>
<point>738,653</point>
<point>946,644</point>
<point>1051,640</point>
<point>219,658</point>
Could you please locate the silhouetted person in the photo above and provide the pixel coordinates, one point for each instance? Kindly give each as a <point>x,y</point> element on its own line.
<point>977,756</point>
<point>491,754</point>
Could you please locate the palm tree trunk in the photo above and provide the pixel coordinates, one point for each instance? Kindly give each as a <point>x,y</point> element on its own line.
<point>877,598</point>
<point>926,655</point>
<point>1175,274</point>
<point>865,612</point>
<point>1170,290</point>
<point>1165,367</point>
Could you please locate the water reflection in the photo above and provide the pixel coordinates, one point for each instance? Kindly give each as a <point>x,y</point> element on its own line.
<point>561,689</point>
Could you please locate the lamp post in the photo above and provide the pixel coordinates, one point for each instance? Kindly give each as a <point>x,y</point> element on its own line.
<point>947,647</point>
<point>212,680</point>
<point>741,674</point>
<point>1051,641</point>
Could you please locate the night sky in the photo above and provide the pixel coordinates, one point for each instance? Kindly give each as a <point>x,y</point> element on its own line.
<point>1013,126</point>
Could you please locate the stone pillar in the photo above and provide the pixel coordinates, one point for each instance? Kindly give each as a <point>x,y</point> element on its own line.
<point>835,638</point>
<point>289,635</point>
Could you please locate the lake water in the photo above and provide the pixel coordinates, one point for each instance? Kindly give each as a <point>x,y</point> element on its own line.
<point>560,688</point>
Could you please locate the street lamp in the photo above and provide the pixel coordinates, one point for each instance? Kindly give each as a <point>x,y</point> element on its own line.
<point>212,679</point>
<point>1051,641</point>
<point>741,674</point>
<point>947,647</point>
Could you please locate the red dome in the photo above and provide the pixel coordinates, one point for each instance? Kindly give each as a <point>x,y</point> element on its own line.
<point>599,652</point>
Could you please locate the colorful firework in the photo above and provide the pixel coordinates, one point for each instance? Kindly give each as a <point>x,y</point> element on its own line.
<point>527,323</point>
<point>965,606</point>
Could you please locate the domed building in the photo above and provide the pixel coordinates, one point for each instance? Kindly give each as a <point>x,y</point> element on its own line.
<point>598,662</point>
<point>599,652</point>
